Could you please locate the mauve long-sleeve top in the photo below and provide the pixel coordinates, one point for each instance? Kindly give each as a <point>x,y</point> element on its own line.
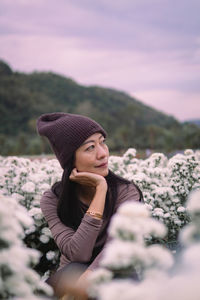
<point>85,245</point>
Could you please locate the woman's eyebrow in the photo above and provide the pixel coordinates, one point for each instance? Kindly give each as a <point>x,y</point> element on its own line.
<point>91,141</point>
<point>87,142</point>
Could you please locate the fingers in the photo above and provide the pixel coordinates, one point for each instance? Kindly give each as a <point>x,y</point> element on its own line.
<point>83,178</point>
<point>77,176</point>
<point>86,178</point>
<point>73,174</point>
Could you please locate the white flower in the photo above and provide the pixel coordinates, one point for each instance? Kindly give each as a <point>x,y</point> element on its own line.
<point>46,231</point>
<point>20,281</point>
<point>133,210</point>
<point>158,212</point>
<point>191,257</point>
<point>45,186</point>
<point>120,255</point>
<point>44,239</point>
<point>177,222</point>
<point>126,229</point>
<point>182,286</point>
<point>30,230</point>
<point>189,152</point>
<point>119,289</point>
<point>130,153</point>
<point>193,203</point>
<point>149,207</point>
<point>176,200</point>
<point>23,217</point>
<point>28,187</point>
<point>50,255</point>
<point>17,196</point>
<point>188,235</point>
<point>36,213</point>
<point>100,275</point>
<point>167,215</point>
<point>115,160</point>
<point>155,228</point>
<point>159,256</point>
<point>181,209</point>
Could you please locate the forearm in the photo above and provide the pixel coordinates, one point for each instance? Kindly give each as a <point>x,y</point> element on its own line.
<point>70,242</point>
<point>80,245</point>
<point>98,202</point>
<point>87,235</point>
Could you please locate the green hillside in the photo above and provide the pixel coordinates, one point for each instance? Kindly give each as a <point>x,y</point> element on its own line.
<point>129,123</point>
<point>194,121</point>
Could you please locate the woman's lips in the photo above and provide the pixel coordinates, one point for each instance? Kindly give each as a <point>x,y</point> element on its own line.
<point>102,165</point>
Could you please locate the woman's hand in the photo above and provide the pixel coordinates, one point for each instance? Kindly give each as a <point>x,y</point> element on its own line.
<point>94,181</point>
<point>88,179</point>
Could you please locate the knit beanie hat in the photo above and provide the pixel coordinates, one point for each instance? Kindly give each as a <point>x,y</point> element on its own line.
<point>66,133</point>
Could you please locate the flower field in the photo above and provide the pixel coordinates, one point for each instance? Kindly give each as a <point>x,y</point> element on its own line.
<point>155,269</point>
<point>147,251</point>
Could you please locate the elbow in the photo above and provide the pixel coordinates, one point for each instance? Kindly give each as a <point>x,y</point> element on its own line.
<point>80,256</point>
<point>81,259</point>
<point>75,254</point>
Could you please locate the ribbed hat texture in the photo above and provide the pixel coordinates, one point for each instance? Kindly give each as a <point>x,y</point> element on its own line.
<point>66,132</point>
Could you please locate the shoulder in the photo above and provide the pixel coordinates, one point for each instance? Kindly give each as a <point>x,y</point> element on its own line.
<point>124,188</point>
<point>127,192</point>
<point>48,198</point>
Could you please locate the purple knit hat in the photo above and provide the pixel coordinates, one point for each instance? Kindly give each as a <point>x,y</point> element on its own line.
<point>66,133</point>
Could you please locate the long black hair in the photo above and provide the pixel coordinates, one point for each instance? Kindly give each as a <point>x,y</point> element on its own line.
<point>69,210</point>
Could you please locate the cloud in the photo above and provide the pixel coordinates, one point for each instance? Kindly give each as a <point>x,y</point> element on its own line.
<point>183,106</point>
<point>164,84</point>
<point>134,69</point>
<point>143,25</point>
<point>147,48</point>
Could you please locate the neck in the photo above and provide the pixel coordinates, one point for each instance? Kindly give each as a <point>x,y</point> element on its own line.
<point>85,193</point>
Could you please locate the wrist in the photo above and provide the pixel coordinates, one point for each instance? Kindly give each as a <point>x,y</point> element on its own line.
<point>94,214</point>
<point>102,186</point>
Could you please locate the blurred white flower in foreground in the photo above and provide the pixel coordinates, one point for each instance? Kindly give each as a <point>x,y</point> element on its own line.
<point>162,278</point>
<point>17,279</point>
<point>193,204</point>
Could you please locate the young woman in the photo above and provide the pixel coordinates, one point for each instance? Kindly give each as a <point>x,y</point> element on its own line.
<point>79,208</point>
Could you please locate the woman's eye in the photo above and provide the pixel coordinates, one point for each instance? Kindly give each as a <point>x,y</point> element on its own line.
<point>103,141</point>
<point>90,148</point>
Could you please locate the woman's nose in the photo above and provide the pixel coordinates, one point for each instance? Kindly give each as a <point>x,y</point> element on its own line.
<point>101,152</point>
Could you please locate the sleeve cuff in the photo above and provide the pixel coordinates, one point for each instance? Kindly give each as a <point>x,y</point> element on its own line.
<point>90,220</point>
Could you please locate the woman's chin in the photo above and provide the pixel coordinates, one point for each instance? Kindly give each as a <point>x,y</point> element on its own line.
<point>104,173</point>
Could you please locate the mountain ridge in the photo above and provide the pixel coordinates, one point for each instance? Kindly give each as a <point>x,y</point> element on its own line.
<point>129,122</point>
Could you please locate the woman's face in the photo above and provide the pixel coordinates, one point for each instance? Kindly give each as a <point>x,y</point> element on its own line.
<point>92,155</point>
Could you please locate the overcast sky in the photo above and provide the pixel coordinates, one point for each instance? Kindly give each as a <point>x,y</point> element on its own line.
<point>147,48</point>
